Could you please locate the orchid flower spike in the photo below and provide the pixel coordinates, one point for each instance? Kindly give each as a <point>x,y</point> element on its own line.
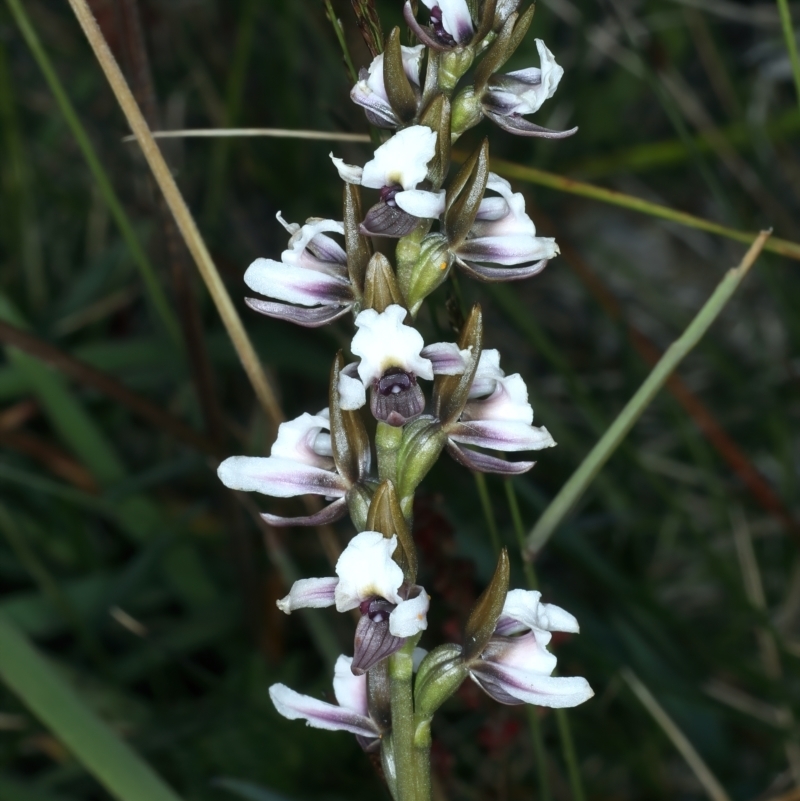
<point>351,714</point>
<point>311,278</point>
<point>397,168</point>
<point>497,415</point>
<point>451,24</point>
<point>299,463</point>
<point>371,581</point>
<point>370,90</point>
<point>516,667</point>
<point>392,357</point>
<point>509,97</point>
<point>502,244</point>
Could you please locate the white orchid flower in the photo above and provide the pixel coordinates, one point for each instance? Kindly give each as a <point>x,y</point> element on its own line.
<point>310,280</point>
<point>368,579</point>
<point>502,244</point>
<point>351,714</point>
<point>300,463</point>
<point>370,90</point>
<point>499,416</point>
<point>396,169</point>
<point>392,357</point>
<point>508,97</point>
<point>517,669</point>
<point>450,25</point>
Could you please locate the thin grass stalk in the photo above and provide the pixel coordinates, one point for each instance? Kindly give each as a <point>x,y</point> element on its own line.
<point>791,42</point>
<point>275,133</point>
<point>93,743</point>
<point>713,789</point>
<point>575,487</point>
<point>183,217</point>
<point>158,300</point>
<point>488,511</point>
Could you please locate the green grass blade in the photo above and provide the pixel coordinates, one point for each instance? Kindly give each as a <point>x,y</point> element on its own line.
<point>791,43</point>
<point>110,760</point>
<point>161,306</point>
<point>602,451</point>
<point>509,169</point>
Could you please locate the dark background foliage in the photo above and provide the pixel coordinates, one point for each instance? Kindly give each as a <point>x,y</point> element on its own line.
<point>152,590</point>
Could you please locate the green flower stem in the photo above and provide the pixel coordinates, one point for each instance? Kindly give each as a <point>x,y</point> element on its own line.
<point>422,760</point>
<point>572,491</point>
<point>401,671</point>
<point>387,443</point>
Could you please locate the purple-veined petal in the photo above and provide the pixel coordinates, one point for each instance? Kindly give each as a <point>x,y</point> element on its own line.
<point>508,250</point>
<point>501,435</point>
<point>366,570</point>
<point>352,393</point>
<point>423,34</point>
<point>508,401</point>
<point>308,318</point>
<point>281,478</point>
<point>373,642</point>
<point>320,714</point>
<point>496,274</point>
<point>517,686</point>
<point>310,593</point>
<point>410,617</point>
<point>378,110</point>
<point>350,690</point>
<point>421,203</point>
<point>349,173</point>
<point>292,284</point>
<point>328,514</point>
<point>516,124</point>
<point>484,463</point>
<point>384,219</point>
<point>445,358</point>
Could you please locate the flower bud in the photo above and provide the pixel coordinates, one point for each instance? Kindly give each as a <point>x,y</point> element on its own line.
<point>464,195</point>
<point>437,117</point>
<point>483,618</point>
<point>467,112</point>
<point>430,269</point>
<point>358,246</point>
<point>439,676</point>
<point>380,285</point>
<point>422,443</point>
<point>453,66</point>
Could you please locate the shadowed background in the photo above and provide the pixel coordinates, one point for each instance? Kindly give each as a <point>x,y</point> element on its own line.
<point>151,589</point>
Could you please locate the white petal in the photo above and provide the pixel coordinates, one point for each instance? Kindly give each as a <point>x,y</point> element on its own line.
<point>292,228</point>
<point>509,401</point>
<point>350,690</point>
<point>347,172</point>
<point>501,435</point>
<point>523,610</point>
<point>534,688</point>
<point>294,284</point>
<point>410,617</point>
<point>319,714</point>
<point>311,593</point>
<point>352,394</point>
<point>296,440</point>
<point>383,341</point>
<point>487,375</point>
<point>281,478</point>
<point>446,358</point>
<point>508,249</point>
<point>422,204</point>
<point>366,570</point>
<point>402,160</point>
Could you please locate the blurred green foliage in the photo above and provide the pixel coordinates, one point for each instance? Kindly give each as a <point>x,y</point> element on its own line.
<point>151,591</point>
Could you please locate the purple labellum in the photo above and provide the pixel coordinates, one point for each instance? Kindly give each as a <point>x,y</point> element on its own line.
<point>387,219</point>
<point>373,641</point>
<point>396,397</point>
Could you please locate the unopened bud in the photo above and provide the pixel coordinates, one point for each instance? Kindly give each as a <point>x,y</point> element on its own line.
<point>380,285</point>
<point>467,112</point>
<point>422,443</point>
<point>464,195</point>
<point>430,269</point>
<point>437,117</point>
<point>440,675</point>
<point>453,66</point>
<point>483,618</point>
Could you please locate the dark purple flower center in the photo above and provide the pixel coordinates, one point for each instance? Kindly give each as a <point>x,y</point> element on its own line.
<point>438,28</point>
<point>395,380</point>
<point>396,398</point>
<point>388,193</point>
